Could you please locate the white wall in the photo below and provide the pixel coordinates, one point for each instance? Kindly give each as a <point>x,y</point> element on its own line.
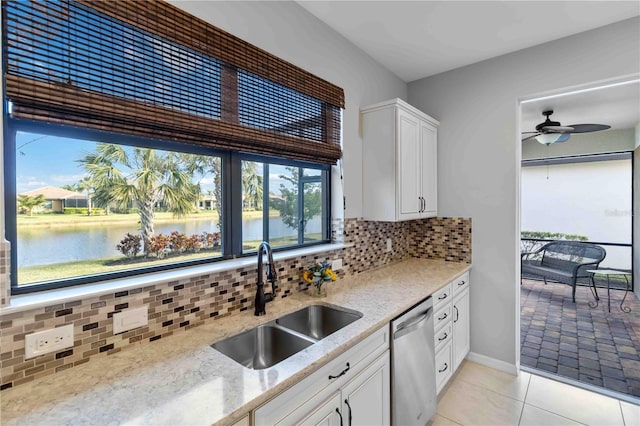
<point>591,199</point>
<point>479,155</point>
<point>291,33</point>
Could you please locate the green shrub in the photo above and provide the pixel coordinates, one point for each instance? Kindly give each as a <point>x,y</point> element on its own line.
<point>531,246</point>
<point>95,211</point>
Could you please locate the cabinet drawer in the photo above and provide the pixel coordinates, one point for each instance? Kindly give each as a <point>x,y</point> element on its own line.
<point>317,385</point>
<point>443,336</point>
<point>441,297</point>
<point>443,367</point>
<point>461,283</point>
<point>442,317</point>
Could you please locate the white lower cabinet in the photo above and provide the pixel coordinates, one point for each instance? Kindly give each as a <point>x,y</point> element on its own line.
<point>352,389</point>
<point>362,401</point>
<point>451,328</point>
<point>366,398</point>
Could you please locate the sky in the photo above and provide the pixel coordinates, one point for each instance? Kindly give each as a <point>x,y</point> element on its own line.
<point>47,160</point>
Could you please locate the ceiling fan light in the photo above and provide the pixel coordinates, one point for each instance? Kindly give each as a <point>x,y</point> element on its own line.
<point>549,138</point>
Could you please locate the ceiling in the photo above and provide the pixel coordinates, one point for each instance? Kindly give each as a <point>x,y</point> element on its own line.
<point>617,106</point>
<point>416,39</point>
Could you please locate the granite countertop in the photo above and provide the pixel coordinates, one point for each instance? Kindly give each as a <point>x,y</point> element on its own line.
<point>182,380</point>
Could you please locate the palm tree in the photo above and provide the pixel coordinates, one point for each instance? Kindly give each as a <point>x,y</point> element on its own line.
<point>148,178</point>
<point>104,173</point>
<point>28,203</point>
<point>252,189</point>
<point>72,187</point>
<point>86,185</point>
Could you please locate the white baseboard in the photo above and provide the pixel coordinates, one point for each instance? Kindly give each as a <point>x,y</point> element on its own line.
<point>493,363</point>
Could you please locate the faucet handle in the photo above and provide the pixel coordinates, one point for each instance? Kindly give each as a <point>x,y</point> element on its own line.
<point>271,273</point>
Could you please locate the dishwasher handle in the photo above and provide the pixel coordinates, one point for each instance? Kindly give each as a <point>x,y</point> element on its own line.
<point>411,324</point>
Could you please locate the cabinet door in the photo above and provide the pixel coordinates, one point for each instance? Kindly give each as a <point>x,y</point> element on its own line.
<point>326,414</point>
<point>366,399</point>
<point>429,155</point>
<point>461,331</point>
<point>409,177</point>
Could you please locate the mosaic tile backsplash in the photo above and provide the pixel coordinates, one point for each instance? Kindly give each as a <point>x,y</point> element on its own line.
<point>175,306</point>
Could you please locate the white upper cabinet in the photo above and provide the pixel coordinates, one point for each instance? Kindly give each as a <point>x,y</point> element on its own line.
<point>399,162</point>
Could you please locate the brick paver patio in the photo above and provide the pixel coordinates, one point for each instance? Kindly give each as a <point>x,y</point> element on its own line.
<point>576,341</point>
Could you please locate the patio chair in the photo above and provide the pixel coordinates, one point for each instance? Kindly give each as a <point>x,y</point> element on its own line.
<point>565,262</point>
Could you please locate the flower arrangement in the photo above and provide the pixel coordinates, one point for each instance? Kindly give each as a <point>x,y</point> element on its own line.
<point>318,273</point>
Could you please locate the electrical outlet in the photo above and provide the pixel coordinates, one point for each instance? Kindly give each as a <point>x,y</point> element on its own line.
<point>130,319</point>
<point>389,245</point>
<point>336,265</point>
<point>44,342</point>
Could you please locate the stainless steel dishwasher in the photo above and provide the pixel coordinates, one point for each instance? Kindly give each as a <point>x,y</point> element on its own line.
<point>413,372</point>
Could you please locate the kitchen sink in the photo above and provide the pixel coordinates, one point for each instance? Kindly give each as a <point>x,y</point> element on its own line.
<point>268,344</point>
<point>262,347</point>
<point>318,321</point>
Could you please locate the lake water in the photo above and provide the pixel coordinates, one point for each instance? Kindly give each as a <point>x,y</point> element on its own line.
<point>43,246</point>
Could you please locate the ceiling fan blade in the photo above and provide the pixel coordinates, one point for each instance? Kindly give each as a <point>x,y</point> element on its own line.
<point>557,129</point>
<point>530,137</point>
<point>586,128</point>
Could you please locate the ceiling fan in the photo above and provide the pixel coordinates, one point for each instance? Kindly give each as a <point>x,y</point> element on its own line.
<point>549,132</point>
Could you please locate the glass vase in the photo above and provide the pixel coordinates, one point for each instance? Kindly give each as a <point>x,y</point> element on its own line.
<point>318,292</point>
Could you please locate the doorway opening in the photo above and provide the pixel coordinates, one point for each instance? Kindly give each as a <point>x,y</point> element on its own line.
<point>579,187</point>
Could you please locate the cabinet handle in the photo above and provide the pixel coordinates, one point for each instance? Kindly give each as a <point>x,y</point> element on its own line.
<point>342,373</point>
<point>346,401</point>
<point>443,317</point>
<point>443,370</point>
<point>462,282</point>
<point>457,313</point>
<point>444,296</point>
<point>340,414</point>
<point>440,339</point>
<point>424,204</point>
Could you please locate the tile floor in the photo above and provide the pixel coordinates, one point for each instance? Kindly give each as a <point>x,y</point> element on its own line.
<point>575,340</point>
<point>479,395</point>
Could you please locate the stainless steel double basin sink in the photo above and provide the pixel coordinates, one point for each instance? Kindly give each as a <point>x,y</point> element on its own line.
<point>268,344</point>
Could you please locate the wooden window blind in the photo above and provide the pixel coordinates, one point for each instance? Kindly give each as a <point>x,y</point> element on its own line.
<point>147,68</point>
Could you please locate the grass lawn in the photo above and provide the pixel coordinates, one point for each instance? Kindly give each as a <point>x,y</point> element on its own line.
<point>52,219</point>
<point>34,274</point>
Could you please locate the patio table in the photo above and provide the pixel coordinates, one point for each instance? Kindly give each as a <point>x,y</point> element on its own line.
<point>608,273</point>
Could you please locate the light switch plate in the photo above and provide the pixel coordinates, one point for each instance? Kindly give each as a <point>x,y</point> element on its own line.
<point>130,319</point>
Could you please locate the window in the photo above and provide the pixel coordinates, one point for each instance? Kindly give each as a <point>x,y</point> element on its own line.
<point>285,205</point>
<point>88,210</point>
<point>135,145</point>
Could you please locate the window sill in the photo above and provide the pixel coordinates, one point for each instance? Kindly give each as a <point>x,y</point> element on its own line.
<point>52,297</point>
